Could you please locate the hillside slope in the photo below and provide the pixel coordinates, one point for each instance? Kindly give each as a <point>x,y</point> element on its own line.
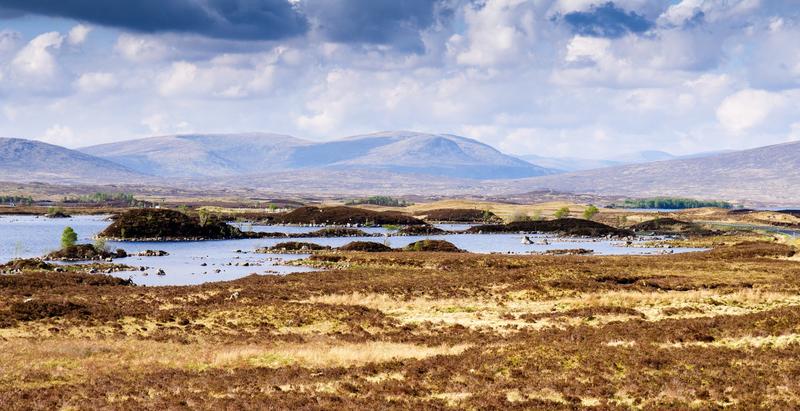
<point>770,173</point>
<point>27,160</point>
<point>220,155</point>
<point>199,155</point>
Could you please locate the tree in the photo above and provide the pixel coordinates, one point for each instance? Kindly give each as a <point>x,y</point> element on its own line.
<point>203,215</point>
<point>68,238</point>
<point>590,212</point>
<point>562,212</point>
<point>519,216</point>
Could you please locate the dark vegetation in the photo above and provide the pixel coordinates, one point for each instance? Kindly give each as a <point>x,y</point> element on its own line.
<point>565,226</point>
<point>433,245</point>
<point>379,200</point>
<point>346,215</point>
<point>162,224</point>
<point>293,246</point>
<point>56,212</point>
<point>25,264</point>
<point>569,251</point>
<point>22,200</point>
<point>460,215</point>
<point>115,199</point>
<point>670,203</point>
<point>421,230</point>
<point>332,232</point>
<point>668,225</point>
<point>84,252</point>
<point>365,246</point>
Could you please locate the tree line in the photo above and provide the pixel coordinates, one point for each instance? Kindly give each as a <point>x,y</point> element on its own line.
<point>670,203</point>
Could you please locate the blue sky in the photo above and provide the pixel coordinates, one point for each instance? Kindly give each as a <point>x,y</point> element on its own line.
<point>550,77</point>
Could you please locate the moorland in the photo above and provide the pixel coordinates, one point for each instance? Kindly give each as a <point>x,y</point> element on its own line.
<point>422,329</point>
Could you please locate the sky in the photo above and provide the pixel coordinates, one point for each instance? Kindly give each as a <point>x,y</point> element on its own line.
<point>579,78</point>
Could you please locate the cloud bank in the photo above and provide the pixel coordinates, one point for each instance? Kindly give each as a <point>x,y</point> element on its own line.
<point>586,78</point>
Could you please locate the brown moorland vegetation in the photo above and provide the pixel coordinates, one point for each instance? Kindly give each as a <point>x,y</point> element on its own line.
<point>347,215</point>
<point>163,224</point>
<point>409,330</point>
<point>459,215</point>
<point>565,226</point>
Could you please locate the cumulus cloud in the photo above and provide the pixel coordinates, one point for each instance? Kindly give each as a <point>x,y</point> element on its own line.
<point>36,58</point>
<point>8,40</point>
<point>96,82</point>
<point>498,32</point>
<point>78,34</point>
<point>140,48</point>
<point>690,12</point>
<point>566,77</point>
<point>60,135</point>
<point>227,77</point>
<point>226,19</point>
<point>747,109</point>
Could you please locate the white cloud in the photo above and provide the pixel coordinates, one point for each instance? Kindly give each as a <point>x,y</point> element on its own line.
<point>497,33</point>
<point>36,58</point>
<point>60,135</point>
<point>712,10</point>
<point>96,82</point>
<point>225,77</point>
<point>180,78</point>
<point>587,49</point>
<point>8,40</point>
<point>140,49</point>
<point>162,124</point>
<point>510,72</point>
<point>747,109</point>
<point>78,34</point>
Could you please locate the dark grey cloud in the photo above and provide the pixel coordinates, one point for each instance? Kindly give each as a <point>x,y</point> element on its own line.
<point>225,19</point>
<point>397,23</point>
<point>10,14</point>
<point>606,20</point>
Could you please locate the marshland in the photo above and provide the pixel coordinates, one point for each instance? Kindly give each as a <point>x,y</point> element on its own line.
<point>694,308</point>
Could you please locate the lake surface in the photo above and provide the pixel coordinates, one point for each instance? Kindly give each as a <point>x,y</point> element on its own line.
<point>196,262</point>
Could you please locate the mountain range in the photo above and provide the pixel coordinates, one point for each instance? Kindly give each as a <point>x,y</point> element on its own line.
<point>225,155</point>
<point>569,164</point>
<point>27,160</point>
<point>400,162</point>
<point>769,174</point>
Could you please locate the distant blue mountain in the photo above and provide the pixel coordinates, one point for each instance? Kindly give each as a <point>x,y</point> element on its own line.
<point>404,152</point>
<point>29,160</point>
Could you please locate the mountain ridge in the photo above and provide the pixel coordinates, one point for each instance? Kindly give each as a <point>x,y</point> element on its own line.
<point>28,160</point>
<point>225,155</point>
<point>768,173</point>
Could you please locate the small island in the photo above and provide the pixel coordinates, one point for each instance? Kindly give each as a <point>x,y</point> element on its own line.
<point>151,224</point>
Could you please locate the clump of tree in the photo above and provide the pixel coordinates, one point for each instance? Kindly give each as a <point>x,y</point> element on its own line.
<point>519,216</point>
<point>590,212</point>
<point>379,200</point>
<point>562,212</point>
<point>670,203</point>
<point>16,200</point>
<point>103,198</point>
<point>68,237</point>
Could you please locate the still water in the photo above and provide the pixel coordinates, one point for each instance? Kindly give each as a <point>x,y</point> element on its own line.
<point>195,262</point>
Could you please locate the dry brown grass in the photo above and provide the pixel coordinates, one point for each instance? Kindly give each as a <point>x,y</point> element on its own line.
<point>420,331</point>
<point>502,210</point>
